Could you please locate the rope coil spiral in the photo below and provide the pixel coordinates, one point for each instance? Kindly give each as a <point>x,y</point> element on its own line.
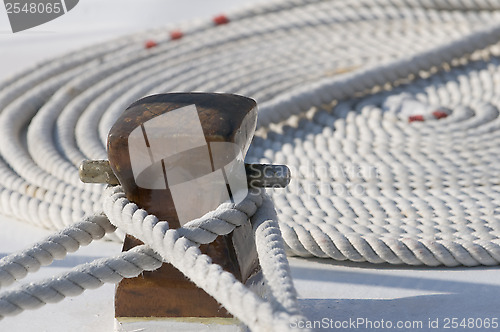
<point>386,111</point>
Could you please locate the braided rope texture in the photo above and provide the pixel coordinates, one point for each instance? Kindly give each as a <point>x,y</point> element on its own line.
<point>92,275</point>
<point>369,185</point>
<point>72,283</point>
<point>177,246</point>
<point>17,266</point>
<point>180,248</point>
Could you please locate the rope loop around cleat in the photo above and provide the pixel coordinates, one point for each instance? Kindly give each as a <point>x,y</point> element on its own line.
<point>387,113</point>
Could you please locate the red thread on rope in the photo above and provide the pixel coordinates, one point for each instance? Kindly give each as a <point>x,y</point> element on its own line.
<point>221,19</point>
<point>176,34</point>
<point>414,118</point>
<point>439,114</point>
<point>150,44</point>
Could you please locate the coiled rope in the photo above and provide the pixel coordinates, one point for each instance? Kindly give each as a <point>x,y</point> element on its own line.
<point>386,111</point>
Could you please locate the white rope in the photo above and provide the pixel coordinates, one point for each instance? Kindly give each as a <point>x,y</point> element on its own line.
<point>343,87</point>
<point>17,266</point>
<point>128,264</point>
<point>180,248</point>
<point>284,51</point>
<point>274,263</point>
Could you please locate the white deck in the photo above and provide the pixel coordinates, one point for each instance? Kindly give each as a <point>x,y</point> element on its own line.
<point>328,290</point>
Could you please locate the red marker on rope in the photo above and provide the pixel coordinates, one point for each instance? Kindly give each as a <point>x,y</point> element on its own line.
<point>176,34</point>
<point>221,19</point>
<point>439,114</point>
<point>435,115</point>
<point>415,118</point>
<point>150,44</point>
